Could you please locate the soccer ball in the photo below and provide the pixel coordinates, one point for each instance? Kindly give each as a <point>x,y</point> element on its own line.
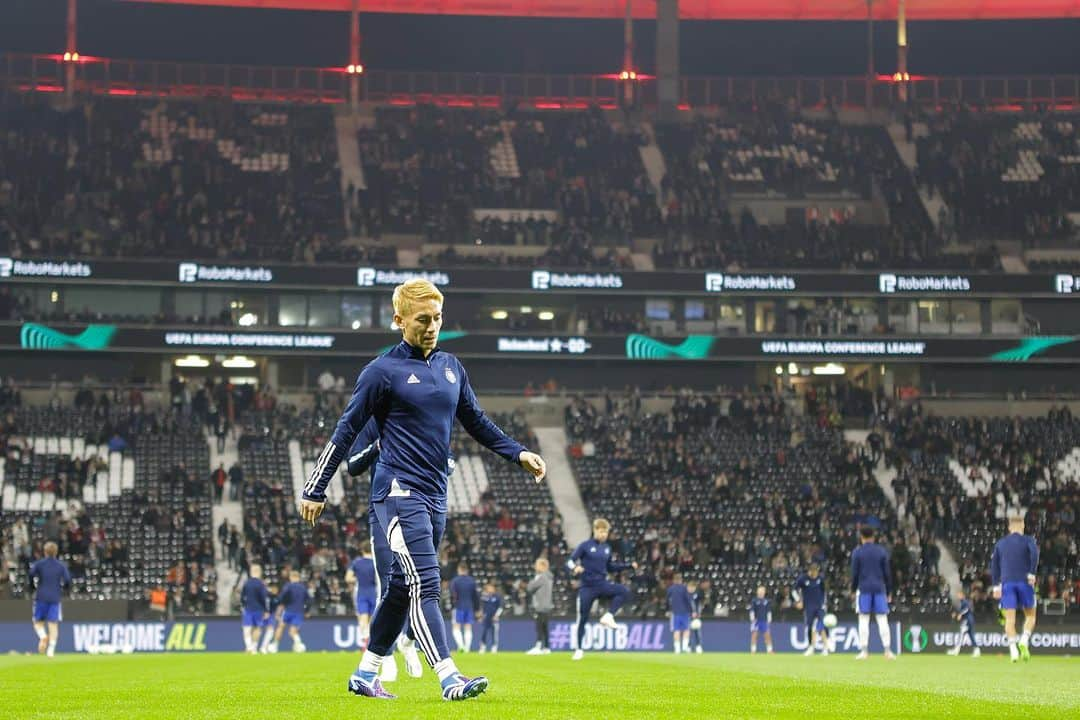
<point>695,624</point>
<point>829,621</point>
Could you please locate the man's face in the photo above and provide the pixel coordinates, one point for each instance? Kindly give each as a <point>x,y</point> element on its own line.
<point>600,534</point>
<point>420,328</point>
<point>761,593</point>
<point>813,572</point>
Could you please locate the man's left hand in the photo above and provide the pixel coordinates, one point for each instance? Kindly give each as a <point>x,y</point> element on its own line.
<point>310,510</point>
<point>533,463</point>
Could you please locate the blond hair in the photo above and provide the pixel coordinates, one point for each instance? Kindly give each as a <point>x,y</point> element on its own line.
<point>51,549</point>
<point>601,524</point>
<point>410,292</point>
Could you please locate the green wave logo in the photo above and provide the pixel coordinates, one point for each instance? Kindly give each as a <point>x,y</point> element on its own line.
<point>643,347</point>
<point>444,337</point>
<point>1031,346</point>
<point>39,337</point>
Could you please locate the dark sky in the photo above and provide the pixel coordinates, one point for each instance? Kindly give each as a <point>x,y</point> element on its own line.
<point>406,42</point>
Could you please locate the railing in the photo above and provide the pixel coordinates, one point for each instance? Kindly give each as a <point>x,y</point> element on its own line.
<point>105,76</point>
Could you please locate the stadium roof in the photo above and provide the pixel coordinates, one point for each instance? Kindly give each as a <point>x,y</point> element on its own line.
<point>688,9</point>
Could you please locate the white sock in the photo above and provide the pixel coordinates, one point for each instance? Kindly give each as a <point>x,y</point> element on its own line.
<point>445,668</point>
<point>296,640</point>
<point>864,632</point>
<point>678,648</point>
<point>768,648</point>
<point>457,636</point>
<point>886,633</point>
<point>369,662</point>
<point>247,639</point>
<point>41,633</point>
<point>52,646</point>
<point>1025,639</point>
<point>468,637</point>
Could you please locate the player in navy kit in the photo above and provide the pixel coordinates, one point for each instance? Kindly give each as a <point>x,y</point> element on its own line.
<point>293,602</point>
<point>255,608</point>
<point>965,615</point>
<point>491,606</point>
<point>811,598</point>
<point>270,622</point>
<point>50,577</point>
<point>696,604</point>
<point>592,561</point>
<point>464,597</point>
<point>414,391</point>
<point>364,580</point>
<point>681,606</point>
<point>760,620</point>
<point>871,580</point>
<point>1012,567</point>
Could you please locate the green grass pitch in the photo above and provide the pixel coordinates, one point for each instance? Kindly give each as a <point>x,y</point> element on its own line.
<point>601,687</point>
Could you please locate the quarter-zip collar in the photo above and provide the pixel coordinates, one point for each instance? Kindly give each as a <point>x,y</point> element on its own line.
<point>417,353</point>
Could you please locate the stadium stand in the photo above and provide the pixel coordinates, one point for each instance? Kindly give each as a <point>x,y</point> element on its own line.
<point>196,180</point>
<point>1003,175</point>
<point>773,153</point>
<point>428,168</point>
<point>735,493</point>
<point>219,180</point>
<point>121,487</point>
<point>959,475</point>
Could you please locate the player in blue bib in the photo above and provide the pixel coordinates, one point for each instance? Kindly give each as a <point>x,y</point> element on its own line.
<point>364,580</point>
<point>1012,569</point>
<point>254,608</point>
<point>592,561</point>
<point>681,607</point>
<point>811,597</point>
<point>965,615</point>
<point>50,577</point>
<point>760,621</point>
<point>464,598</point>
<point>491,607</point>
<point>696,604</point>
<point>293,602</point>
<point>871,579</point>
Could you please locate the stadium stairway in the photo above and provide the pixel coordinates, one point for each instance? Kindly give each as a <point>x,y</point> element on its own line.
<point>908,154</point>
<point>564,488</point>
<point>884,476</point>
<point>346,124</point>
<point>230,510</point>
<point>652,157</point>
<point>504,158</point>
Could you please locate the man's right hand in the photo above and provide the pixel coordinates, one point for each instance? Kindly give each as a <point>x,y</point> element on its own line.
<point>578,569</point>
<point>310,510</point>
